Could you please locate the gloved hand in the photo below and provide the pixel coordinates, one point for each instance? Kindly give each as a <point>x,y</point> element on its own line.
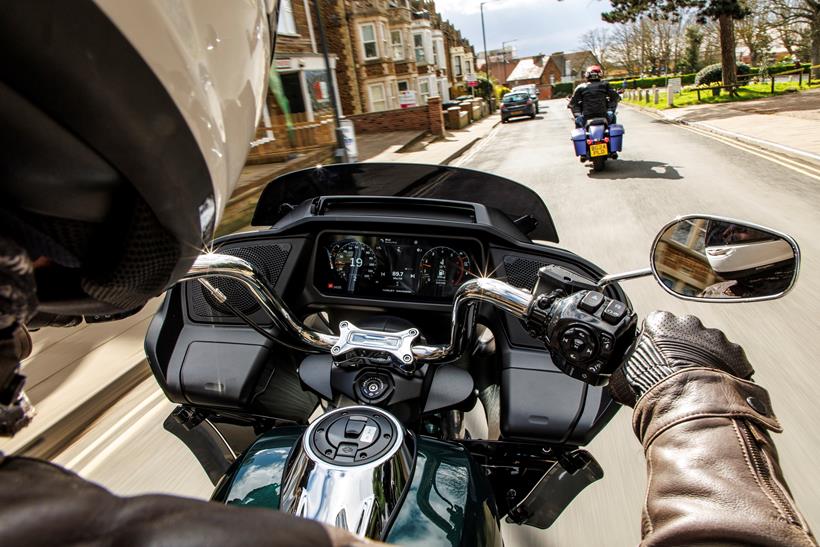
<point>667,344</point>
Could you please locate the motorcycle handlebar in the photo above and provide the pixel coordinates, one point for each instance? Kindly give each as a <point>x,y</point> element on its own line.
<point>497,293</point>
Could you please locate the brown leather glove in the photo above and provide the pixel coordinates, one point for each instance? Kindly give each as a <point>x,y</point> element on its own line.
<point>668,344</point>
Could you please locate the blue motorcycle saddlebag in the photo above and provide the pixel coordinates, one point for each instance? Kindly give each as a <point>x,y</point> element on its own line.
<point>579,139</point>
<point>616,137</point>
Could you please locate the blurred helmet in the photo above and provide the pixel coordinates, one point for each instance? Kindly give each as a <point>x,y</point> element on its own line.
<point>739,252</point>
<point>125,127</point>
<point>594,72</point>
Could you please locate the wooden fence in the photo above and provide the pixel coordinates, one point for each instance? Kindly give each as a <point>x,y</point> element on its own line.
<point>275,142</point>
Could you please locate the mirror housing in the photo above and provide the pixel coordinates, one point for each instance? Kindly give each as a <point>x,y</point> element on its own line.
<point>709,258</point>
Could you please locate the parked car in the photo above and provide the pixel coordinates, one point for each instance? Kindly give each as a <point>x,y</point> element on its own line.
<point>517,103</point>
<point>532,89</point>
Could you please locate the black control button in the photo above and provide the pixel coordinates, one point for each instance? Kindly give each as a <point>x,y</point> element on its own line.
<point>613,312</point>
<point>591,302</point>
<point>607,343</point>
<point>578,344</point>
<point>354,426</point>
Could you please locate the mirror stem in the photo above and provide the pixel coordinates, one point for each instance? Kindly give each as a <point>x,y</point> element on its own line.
<point>611,278</point>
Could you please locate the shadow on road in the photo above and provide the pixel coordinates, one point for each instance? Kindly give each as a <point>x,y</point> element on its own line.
<point>630,169</point>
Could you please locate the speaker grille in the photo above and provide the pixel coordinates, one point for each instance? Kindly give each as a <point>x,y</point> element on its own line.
<point>268,258</point>
<point>522,272</point>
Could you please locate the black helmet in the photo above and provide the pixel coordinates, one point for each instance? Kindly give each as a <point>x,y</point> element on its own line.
<point>117,160</point>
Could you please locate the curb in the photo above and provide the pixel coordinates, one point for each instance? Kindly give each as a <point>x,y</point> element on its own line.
<point>752,141</point>
<point>414,141</point>
<point>460,152</point>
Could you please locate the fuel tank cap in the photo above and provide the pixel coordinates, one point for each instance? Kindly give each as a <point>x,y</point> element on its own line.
<point>353,436</point>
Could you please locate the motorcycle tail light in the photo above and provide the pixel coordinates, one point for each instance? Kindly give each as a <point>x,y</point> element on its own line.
<point>606,139</point>
<point>589,141</point>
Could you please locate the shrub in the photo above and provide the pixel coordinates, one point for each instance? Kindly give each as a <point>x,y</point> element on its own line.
<point>501,90</point>
<point>660,81</point>
<point>714,74</point>
<point>563,89</point>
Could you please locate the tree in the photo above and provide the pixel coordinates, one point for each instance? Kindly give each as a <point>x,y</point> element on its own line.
<point>723,11</point>
<point>797,15</point>
<point>754,30</point>
<point>691,55</point>
<point>598,42</point>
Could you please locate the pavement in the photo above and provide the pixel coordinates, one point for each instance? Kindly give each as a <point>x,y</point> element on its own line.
<point>787,124</point>
<point>438,150</point>
<point>610,218</point>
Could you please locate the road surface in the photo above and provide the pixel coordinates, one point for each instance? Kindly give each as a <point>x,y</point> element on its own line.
<point>610,218</point>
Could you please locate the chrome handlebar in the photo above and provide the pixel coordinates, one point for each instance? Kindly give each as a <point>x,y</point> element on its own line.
<point>501,295</point>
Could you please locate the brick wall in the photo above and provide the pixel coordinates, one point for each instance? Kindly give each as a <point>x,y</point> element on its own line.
<point>418,118</point>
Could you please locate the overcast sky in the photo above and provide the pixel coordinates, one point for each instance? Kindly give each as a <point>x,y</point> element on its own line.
<point>540,26</point>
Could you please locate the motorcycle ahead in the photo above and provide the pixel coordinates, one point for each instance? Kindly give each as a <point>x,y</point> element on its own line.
<point>324,364</point>
<point>598,141</point>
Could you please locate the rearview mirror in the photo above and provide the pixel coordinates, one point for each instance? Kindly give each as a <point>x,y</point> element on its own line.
<point>710,258</point>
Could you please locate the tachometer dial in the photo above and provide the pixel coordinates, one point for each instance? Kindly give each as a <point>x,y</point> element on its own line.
<point>442,270</point>
<point>353,262</point>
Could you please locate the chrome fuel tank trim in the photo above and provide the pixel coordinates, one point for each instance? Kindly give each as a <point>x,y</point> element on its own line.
<point>359,498</point>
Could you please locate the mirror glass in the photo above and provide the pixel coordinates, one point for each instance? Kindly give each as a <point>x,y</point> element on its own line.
<point>711,258</point>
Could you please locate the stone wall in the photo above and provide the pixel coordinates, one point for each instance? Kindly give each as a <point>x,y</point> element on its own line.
<point>418,118</point>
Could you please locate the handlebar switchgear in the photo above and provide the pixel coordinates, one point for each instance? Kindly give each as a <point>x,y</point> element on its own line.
<point>587,333</point>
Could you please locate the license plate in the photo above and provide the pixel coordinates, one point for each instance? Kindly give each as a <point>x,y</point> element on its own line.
<point>598,150</point>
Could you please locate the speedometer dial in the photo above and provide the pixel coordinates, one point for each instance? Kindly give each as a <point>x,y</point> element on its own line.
<point>442,270</point>
<point>353,262</point>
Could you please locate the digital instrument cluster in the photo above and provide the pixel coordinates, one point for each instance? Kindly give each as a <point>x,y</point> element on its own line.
<point>394,265</point>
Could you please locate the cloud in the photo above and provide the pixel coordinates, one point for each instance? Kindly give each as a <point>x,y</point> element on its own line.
<point>538,26</point>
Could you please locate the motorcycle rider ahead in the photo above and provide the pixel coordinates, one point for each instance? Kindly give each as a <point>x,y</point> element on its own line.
<point>593,99</point>
<point>104,222</point>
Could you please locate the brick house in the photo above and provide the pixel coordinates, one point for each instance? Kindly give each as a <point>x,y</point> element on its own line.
<point>545,71</point>
<point>298,113</point>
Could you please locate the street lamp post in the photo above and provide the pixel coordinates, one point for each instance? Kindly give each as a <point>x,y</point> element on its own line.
<point>484,37</point>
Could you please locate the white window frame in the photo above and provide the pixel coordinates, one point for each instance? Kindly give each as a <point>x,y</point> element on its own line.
<point>374,41</point>
<point>286,23</point>
<point>397,47</point>
<point>457,68</point>
<point>422,95</point>
<point>372,102</point>
<point>419,47</point>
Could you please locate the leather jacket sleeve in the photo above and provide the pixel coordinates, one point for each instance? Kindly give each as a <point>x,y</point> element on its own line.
<point>42,504</point>
<point>713,473</point>
<point>575,101</point>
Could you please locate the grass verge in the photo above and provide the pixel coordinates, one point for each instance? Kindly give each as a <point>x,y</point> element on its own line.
<point>748,92</point>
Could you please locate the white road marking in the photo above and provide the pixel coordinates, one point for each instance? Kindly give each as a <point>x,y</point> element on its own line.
<point>111,431</point>
<point>802,168</point>
<point>123,438</point>
<point>477,148</point>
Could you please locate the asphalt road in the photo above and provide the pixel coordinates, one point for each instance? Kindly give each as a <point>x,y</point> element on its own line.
<point>610,218</point>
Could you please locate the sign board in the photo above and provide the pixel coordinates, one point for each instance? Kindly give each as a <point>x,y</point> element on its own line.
<point>673,85</point>
<point>472,84</point>
<point>471,78</point>
<point>349,134</point>
<point>407,99</point>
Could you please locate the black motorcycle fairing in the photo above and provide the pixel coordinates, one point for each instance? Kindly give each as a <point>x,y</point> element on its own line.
<point>406,180</point>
